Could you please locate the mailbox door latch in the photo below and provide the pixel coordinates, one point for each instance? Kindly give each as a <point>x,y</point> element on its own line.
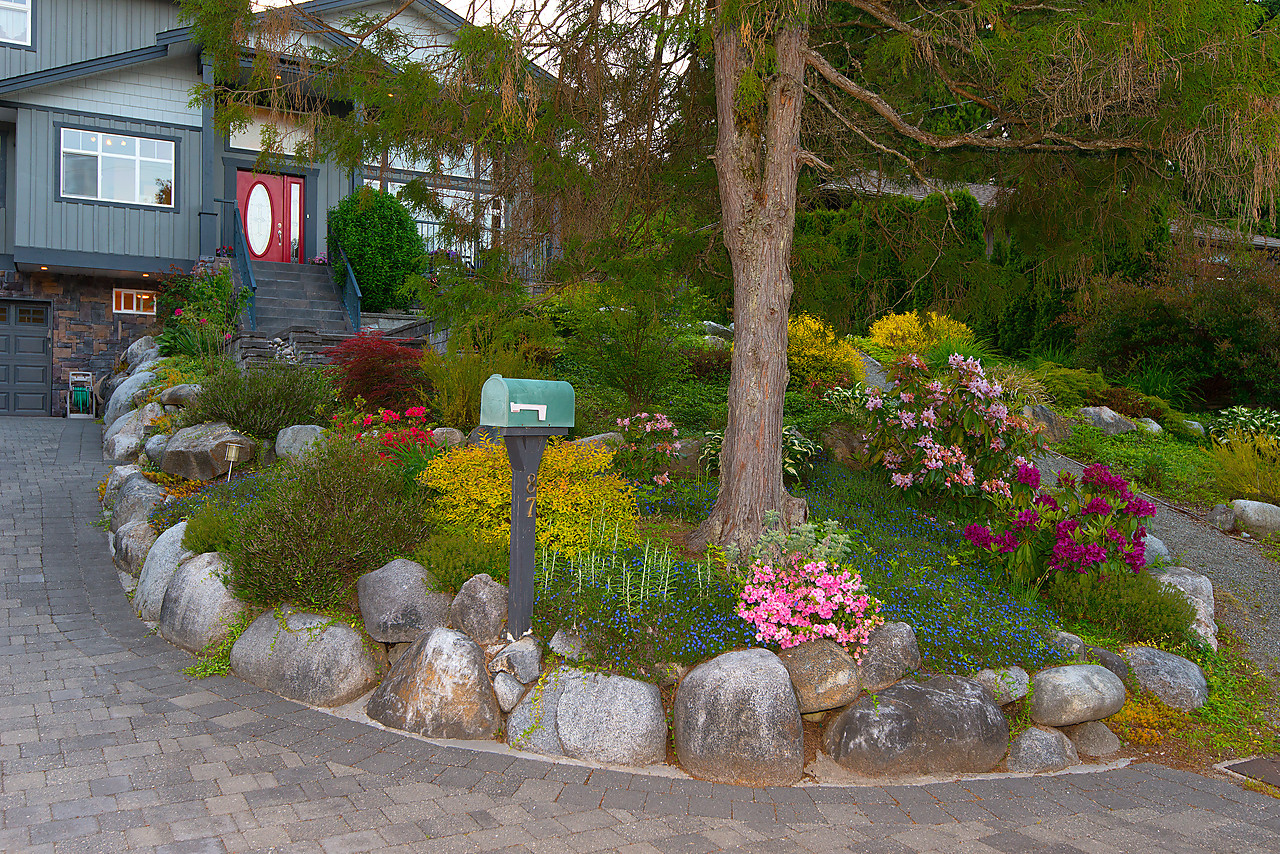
<point>540,408</point>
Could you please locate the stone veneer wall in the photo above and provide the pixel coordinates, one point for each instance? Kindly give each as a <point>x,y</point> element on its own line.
<point>86,335</point>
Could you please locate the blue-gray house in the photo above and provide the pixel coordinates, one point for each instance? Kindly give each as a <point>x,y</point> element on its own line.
<point>110,178</point>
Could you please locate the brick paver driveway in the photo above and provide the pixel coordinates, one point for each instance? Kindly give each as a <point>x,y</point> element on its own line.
<point>106,746</point>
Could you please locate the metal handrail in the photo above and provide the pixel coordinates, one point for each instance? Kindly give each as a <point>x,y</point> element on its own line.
<point>350,290</point>
<point>240,257</point>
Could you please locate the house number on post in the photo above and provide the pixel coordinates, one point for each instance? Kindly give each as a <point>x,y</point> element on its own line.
<point>526,413</point>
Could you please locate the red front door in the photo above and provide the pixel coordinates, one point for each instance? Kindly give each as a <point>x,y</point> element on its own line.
<point>272,209</point>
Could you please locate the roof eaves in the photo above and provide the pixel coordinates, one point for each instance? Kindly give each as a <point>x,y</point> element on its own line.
<point>87,68</point>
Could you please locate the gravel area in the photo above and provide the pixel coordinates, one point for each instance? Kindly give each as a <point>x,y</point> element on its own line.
<point>1246,585</point>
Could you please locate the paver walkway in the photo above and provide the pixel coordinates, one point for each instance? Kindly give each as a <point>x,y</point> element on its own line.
<point>106,746</point>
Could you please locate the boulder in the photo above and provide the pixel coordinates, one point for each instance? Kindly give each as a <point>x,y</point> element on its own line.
<point>1071,644</point>
<point>568,645</point>
<point>710,327</point>
<point>612,720</point>
<point>484,435</point>
<point>152,364</point>
<point>124,439</point>
<point>847,445</point>
<point>135,501</point>
<point>1148,425</point>
<point>737,721</point>
<point>398,604</point>
<point>200,452</point>
<point>508,690</point>
<point>1075,693</point>
<point>307,657</point>
<point>891,653</point>
<point>1093,738</point>
<point>142,350</point>
<point>715,342</point>
<point>1155,550</point>
<point>154,447</point>
<point>1194,426</point>
<point>603,441</point>
<point>948,725</point>
<point>438,688</point>
<point>1106,419</point>
<point>448,437</point>
<point>117,476</point>
<point>1007,685</point>
<point>132,542</point>
<point>1041,749</point>
<point>163,559</point>
<point>823,674</point>
<point>1222,517</point>
<point>480,609</point>
<point>180,395</point>
<point>1198,591</point>
<point>1178,683</point>
<point>1256,517</point>
<point>1054,428</point>
<point>121,400</point>
<point>1108,659</point>
<point>198,609</point>
<point>522,659</point>
<point>293,442</point>
<point>532,724</point>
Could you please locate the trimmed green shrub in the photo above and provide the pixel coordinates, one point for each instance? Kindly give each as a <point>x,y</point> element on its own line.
<point>211,528</point>
<point>261,400</point>
<point>1130,403</point>
<point>1134,605</point>
<point>452,556</point>
<point>382,243</point>
<point>323,521</point>
<point>1070,387</point>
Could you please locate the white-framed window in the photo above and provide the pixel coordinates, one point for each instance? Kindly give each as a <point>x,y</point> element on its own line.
<point>112,167</point>
<point>15,22</point>
<point>128,301</point>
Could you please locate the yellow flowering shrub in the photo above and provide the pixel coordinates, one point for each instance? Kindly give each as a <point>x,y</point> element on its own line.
<point>907,333</point>
<point>578,495</point>
<point>816,353</point>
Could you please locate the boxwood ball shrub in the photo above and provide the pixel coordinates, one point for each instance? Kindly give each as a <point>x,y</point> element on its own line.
<point>382,243</point>
<point>321,522</point>
<point>582,503</point>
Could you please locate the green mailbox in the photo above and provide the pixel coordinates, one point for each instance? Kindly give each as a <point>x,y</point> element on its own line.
<point>525,413</point>
<point>526,403</point>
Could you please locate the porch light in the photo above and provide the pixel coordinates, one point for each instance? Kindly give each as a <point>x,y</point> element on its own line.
<point>44,268</point>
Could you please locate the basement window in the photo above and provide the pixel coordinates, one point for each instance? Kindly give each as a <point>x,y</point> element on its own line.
<point>126,301</point>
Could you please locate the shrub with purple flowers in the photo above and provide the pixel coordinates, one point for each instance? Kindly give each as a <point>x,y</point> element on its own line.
<point>952,435</point>
<point>1088,526</point>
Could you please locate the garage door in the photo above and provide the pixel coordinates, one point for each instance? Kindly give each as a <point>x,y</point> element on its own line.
<point>25,365</point>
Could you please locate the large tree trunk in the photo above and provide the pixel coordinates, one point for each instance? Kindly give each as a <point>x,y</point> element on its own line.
<point>757,162</point>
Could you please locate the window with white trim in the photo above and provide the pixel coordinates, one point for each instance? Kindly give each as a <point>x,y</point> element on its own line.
<point>127,301</point>
<point>15,22</point>
<point>112,167</point>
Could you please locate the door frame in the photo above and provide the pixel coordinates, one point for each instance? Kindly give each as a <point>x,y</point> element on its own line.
<point>48,305</point>
<point>311,226</point>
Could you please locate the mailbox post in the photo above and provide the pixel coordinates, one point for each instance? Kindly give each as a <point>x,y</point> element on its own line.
<point>526,413</point>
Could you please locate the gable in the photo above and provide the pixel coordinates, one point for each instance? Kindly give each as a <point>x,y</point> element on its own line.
<point>65,32</point>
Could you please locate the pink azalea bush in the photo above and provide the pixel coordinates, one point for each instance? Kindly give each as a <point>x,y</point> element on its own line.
<point>797,599</point>
<point>1091,526</point>
<point>650,442</point>
<point>950,435</point>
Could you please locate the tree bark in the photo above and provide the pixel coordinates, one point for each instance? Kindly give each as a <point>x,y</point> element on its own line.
<point>757,162</point>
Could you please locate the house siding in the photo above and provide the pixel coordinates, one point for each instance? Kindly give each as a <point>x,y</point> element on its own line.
<point>6,213</point>
<point>152,92</point>
<point>68,31</point>
<point>45,222</point>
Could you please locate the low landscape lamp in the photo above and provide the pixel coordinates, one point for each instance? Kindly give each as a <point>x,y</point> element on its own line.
<point>232,454</point>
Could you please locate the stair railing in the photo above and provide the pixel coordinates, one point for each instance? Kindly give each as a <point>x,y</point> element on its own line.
<point>345,281</point>
<point>244,269</point>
